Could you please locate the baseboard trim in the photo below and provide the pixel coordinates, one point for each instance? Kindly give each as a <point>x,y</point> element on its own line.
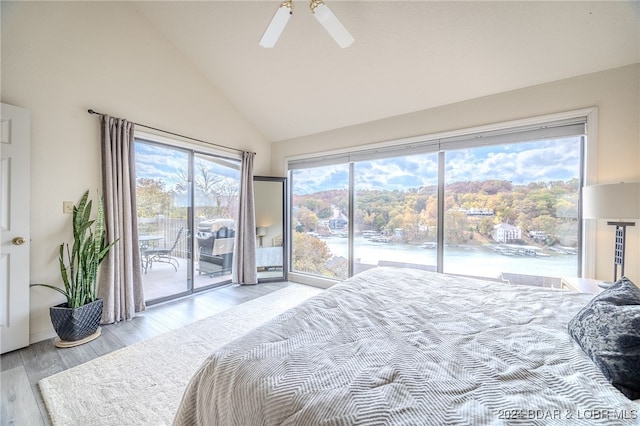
<point>42,335</point>
<point>311,280</point>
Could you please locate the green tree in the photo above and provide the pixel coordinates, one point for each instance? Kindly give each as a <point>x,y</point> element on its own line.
<point>325,212</point>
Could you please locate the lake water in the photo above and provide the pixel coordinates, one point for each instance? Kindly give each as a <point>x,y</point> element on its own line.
<point>467,260</point>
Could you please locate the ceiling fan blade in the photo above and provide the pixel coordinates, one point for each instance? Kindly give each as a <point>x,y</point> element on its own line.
<point>275,28</point>
<point>330,22</point>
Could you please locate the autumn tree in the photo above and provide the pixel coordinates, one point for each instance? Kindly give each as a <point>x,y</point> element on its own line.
<point>152,199</point>
<point>307,218</point>
<point>456,227</point>
<point>310,254</point>
<point>485,226</point>
<point>554,204</point>
<point>546,224</point>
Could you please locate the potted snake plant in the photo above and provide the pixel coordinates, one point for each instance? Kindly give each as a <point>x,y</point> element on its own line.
<point>77,320</point>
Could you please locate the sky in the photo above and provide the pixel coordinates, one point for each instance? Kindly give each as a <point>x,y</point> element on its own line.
<point>171,164</point>
<point>522,163</point>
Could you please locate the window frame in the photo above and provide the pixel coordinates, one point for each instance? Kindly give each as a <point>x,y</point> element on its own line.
<point>193,149</point>
<point>464,138</point>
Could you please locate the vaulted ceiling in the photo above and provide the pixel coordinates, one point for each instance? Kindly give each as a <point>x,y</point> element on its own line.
<point>408,55</point>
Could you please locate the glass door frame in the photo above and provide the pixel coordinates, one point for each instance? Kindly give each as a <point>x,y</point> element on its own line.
<point>191,151</point>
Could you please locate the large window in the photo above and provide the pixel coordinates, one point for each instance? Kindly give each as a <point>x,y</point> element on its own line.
<point>319,222</point>
<point>512,210</point>
<point>186,204</point>
<point>395,206</point>
<point>500,205</point>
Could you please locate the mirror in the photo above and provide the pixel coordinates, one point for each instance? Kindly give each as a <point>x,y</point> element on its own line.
<point>269,197</point>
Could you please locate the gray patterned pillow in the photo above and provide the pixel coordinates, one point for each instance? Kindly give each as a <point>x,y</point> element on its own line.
<point>608,330</point>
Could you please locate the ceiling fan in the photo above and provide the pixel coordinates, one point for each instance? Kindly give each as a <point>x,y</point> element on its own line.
<point>323,14</point>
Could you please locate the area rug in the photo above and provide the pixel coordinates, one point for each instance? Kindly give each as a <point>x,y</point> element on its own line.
<point>142,384</point>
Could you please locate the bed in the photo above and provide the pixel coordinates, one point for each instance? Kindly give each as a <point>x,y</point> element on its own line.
<point>269,258</point>
<point>395,346</point>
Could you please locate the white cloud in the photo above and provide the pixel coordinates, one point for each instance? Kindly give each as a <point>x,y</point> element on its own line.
<point>519,163</point>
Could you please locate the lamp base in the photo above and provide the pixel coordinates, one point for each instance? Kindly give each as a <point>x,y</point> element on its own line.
<point>618,250</point>
<point>605,284</point>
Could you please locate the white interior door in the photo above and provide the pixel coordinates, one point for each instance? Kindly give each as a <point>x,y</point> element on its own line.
<point>14,226</point>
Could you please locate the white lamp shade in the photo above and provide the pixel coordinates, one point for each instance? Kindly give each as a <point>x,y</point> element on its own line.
<point>261,231</point>
<point>611,201</point>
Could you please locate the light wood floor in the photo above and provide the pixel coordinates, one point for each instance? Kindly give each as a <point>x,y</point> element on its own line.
<point>21,403</point>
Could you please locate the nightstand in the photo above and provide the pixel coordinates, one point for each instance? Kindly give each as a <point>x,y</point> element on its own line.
<point>583,285</point>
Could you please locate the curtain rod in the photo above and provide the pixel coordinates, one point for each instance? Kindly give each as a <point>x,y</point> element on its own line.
<point>90,111</point>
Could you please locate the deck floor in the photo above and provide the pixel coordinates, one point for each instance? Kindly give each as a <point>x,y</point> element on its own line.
<point>161,280</point>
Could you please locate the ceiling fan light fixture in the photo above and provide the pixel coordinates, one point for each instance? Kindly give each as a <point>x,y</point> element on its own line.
<point>331,24</point>
<point>277,24</point>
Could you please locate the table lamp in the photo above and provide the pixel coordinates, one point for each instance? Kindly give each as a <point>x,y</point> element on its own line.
<point>619,203</point>
<point>261,232</point>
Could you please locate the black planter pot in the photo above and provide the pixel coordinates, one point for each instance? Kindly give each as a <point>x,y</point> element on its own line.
<point>72,324</point>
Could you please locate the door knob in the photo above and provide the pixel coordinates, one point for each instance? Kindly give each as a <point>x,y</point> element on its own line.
<point>18,241</point>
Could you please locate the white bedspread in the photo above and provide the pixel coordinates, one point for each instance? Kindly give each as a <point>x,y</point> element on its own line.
<point>407,347</point>
<point>269,257</point>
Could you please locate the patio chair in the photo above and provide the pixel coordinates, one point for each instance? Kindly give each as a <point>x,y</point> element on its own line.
<point>161,254</point>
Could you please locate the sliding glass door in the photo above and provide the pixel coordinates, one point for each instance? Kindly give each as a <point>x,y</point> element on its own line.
<point>186,203</point>
<point>216,186</point>
<point>162,206</point>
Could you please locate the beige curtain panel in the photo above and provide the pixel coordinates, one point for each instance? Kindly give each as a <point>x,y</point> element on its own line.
<point>244,257</point>
<point>120,284</point>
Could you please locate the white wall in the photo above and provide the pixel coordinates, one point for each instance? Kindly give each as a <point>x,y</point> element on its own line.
<point>616,94</point>
<point>61,58</point>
